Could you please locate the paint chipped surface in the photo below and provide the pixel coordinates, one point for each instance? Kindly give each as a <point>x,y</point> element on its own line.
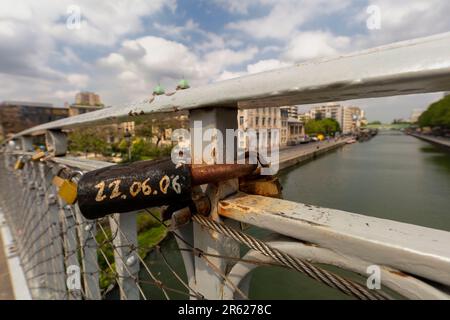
<point>412,249</point>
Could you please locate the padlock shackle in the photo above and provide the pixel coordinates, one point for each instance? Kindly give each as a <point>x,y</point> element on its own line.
<point>203,174</point>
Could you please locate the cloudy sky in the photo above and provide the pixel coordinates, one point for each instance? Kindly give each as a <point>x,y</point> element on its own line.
<point>123,49</point>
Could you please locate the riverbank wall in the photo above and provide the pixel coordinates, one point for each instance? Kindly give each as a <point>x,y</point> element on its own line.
<point>313,153</point>
<point>437,141</point>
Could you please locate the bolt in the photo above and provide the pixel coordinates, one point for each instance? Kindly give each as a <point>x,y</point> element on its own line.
<point>131,260</point>
<point>88,227</point>
<point>51,198</point>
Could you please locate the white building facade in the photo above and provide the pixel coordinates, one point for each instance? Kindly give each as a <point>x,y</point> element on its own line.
<point>349,118</point>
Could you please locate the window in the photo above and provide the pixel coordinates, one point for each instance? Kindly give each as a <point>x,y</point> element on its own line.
<point>268,121</point>
<point>241,120</point>
<point>257,121</point>
<point>263,121</point>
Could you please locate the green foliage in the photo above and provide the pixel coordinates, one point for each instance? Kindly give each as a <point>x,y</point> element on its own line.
<point>142,149</point>
<point>437,114</point>
<point>375,123</point>
<point>88,140</point>
<point>150,233</point>
<point>326,126</point>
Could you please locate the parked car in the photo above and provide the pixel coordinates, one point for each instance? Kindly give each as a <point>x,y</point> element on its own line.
<point>304,140</point>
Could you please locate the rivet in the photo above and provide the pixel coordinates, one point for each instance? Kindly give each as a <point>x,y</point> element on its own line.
<point>131,260</point>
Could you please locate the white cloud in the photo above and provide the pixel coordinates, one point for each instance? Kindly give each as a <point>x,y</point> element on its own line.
<point>166,58</point>
<point>128,76</point>
<point>219,59</point>
<point>139,64</point>
<point>285,17</point>
<point>35,42</point>
<point>113,60</point>
<point>316,44</point>
<point>239,6</point>
<point>66,95</point>
<point>115,54</point>
<point>79,81</point>
<point>103,22</point>
<point>402,20</point>
<point>260,66</point>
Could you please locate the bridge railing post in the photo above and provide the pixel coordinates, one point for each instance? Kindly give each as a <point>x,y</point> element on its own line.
<point>87,231</point>
<point>209,274</point>
<point>124,233</point>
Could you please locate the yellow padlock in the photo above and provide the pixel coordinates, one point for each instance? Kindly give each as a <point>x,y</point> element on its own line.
<point>67,191</point>
<point>19,164</point>
<point>38,156</point>
<point>57,181</point>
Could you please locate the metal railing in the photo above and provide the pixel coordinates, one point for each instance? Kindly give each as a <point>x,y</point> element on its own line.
<point>65,256</point>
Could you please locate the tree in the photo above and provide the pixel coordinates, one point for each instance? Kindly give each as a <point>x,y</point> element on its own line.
<point>326,126</point>
<point>437,114</point>
<point>88,140</point>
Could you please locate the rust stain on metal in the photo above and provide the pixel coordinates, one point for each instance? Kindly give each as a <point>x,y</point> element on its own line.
<point>202,174</point>
<point>399,273</point>
<point>267,187</point>
<point>243,208</point>
<point>225,212</point>
<point>308,244</point>
<point>202,204</point>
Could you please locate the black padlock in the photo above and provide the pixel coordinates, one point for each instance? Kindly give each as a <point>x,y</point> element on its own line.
<point>129,187</point>
<point>145,184</point>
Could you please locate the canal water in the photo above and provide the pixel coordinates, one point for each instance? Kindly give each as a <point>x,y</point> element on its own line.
<point>392,176</point>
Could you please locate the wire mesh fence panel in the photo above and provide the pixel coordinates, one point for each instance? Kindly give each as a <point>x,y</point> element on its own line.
<point>135,255</point>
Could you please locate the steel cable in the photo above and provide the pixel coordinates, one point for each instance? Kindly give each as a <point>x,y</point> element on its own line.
<point>348,287</point>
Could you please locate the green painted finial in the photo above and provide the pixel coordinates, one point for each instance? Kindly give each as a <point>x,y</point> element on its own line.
<point>183,84</point>
<point>159,90</point>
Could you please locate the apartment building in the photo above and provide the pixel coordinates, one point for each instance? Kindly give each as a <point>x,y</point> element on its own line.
<point>263,120</point>
<point>16,116</point>
<point>85,102</point>
<point>349,118</point>
<point>284,120</point>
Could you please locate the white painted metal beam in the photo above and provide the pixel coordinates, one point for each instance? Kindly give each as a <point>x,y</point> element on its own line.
<point>407,286</point>
<point>409,248</point>
<point>415,66</point>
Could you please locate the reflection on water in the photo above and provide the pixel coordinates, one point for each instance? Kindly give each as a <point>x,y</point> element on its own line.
<point>438,157</point>
<point>392,176</point>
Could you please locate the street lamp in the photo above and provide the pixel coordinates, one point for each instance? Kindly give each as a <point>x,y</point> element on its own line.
<point>127,136</point>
